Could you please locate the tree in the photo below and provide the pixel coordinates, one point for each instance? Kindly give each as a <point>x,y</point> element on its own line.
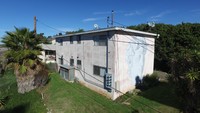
<point>72,32</point>
<point>177,51</point>
<point>185,66</point>
<point>163,45</point>
<point>22,56</point>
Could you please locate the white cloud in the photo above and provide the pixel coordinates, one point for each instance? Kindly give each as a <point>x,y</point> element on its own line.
<point>160,15</point>
<point>107,12</point>
<point>92,19</point>
<point>196,11</point>
<point>133,13</point>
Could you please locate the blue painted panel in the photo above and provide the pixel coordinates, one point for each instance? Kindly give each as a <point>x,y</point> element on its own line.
<point>135,57</point>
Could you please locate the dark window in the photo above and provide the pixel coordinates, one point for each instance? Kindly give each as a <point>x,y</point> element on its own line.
<point>78,39</point>
<point>50,52</point>
<point>61,60</point>
<point>71,62</point>
<point>100,71</point>
<point>71,40</point>
<point>61,42</point>
<point>64,73</point>
<point>100,40</point>
<point>79,64</point>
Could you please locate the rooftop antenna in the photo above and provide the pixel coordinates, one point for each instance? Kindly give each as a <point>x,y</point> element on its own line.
<point>151,24</point>
<point>96,26</point>
<point>112,18</point>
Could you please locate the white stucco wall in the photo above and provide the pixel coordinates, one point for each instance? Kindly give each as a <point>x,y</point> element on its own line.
<point>134,56</point>
<point>129,56</point>
<point>89,55</point>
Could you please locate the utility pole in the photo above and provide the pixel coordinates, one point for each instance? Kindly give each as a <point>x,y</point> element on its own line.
<point>112,18</point>
<point>35,20</point>
<point>108,21</point>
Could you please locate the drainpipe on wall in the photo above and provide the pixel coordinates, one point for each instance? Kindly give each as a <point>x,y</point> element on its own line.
<point>106,60</point>
<point>107,52</point>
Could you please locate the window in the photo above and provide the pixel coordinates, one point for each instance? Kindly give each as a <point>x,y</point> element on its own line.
<point>71,62</point>
<point>71,40</point>
<point>61,42</point>
<point>100,71</point>
<point>78,39</point>
<point>64,73</point>
<point>79,64</point>
<point>61,60</point>
<point>100,40</point>
<point>50,52</point>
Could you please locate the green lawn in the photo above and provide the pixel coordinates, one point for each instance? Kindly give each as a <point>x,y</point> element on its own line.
<point>19,103</point>
<point>61,96</point>
<point>64,97</point>
<point>157,99</point>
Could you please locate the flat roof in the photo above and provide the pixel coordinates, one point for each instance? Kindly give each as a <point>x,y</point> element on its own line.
<point>111,29</point>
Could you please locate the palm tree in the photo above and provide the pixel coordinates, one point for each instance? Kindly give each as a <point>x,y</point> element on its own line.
<point>22,56</point>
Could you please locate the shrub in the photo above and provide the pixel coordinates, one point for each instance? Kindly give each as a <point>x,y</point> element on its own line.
<point>3,101</point>
<point>149,81</point>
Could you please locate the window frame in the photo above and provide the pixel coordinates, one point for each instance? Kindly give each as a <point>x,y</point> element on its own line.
<point>79,64</point>
<point>61,60</point>
<point>71,40</point>
<point>98,68</point>
<point>71,59</point>
<point>78,38</point>
<point>100,40</point>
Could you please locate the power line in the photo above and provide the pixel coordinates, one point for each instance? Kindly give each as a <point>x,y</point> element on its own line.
<point>80,70</point>
<point>50,26</point>
<point>140,41</point>
<point>76,67</point>
<point>123,25</point>
<point>132,42</point>
<point>120,24</point>
<point>87,94</point>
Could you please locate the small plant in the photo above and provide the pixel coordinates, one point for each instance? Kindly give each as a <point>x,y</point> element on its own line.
<point>3,101</point>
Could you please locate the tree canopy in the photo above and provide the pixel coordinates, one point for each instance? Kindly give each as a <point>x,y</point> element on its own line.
<point>177,51</point>
<point>22,56</point>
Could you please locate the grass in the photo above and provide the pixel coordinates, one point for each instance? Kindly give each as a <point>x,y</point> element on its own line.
<point>61,96</point>
<point>160,98</point>
<point>19,103</point>
<point>64,97</point>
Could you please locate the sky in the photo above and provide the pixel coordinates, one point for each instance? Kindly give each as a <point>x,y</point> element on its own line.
<point>54,16</point>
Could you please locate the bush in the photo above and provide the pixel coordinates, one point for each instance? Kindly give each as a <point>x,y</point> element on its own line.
<point>3,101</point>
<point>148,81</point>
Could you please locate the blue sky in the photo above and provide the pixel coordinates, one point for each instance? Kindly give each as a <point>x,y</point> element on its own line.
<point>68,15</point>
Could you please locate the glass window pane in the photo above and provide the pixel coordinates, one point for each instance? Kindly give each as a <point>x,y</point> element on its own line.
<point>71,40</point>
<point>71,62</point>
<point>102,71</point>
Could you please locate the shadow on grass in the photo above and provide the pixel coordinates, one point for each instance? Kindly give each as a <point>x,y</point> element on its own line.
<point>163,93</point>
<point>135,111</point>
<point>18,109</point>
